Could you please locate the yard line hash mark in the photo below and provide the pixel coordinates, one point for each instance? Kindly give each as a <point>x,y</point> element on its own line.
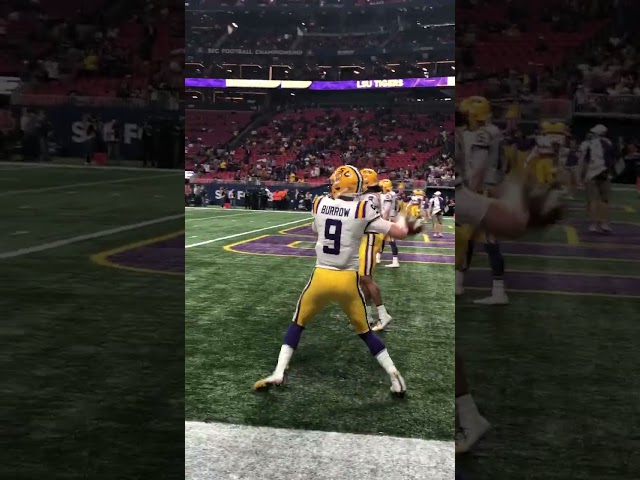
<point>220,239</point>
<point>89,236</point>
<point>85,184</point>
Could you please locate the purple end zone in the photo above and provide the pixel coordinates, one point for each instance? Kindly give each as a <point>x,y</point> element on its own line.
<point>164,256</point>
<point>279,245</point>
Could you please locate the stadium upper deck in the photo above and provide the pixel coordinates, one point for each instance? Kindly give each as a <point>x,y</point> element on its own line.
<point>393,40</point>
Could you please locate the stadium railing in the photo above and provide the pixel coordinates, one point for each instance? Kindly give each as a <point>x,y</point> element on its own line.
<point>607,106</point>
<point>406,184</point>
<point>59,100</point>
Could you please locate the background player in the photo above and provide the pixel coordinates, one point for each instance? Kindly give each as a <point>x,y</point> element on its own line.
<point>390,212</point>
<point>370,248</point>
<point>507,216</point>
<point>340,221</point>
<point>435,211</point>
<point>482,143</point>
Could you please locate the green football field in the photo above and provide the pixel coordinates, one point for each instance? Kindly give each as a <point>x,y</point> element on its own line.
<point>244,273</point>
<point>555,370</point>
<point>92,335</point>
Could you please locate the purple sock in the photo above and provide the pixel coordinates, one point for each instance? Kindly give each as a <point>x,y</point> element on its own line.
<point>373,342</point>
<point>292,337</point>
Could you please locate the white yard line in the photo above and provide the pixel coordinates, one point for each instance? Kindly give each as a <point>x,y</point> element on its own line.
<point>80,167</point>
<point>199,220</point>
<point>229,237</point>
<point>226,451</point>
<point>85,184</point>
<point>82,238</point>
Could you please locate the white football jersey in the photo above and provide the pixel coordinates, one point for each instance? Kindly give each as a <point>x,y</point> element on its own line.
<point>483,153</point>
<point>341,224</point>
<point>390,205</point>
<point>374,198</point>
<point>436,204</point>
<point>415,200</point>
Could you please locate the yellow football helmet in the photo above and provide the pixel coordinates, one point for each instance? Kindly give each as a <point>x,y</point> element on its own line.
<point>418,193</point>
<point>386,185</point>
<point>346,181</point>
<point>478,109</point>
<point>369,177</point>
<point>546,127</point>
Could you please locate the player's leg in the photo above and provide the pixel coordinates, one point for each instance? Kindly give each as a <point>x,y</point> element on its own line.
<point>496,261</point>
<point>464,254</point>
<point>438,225</point>
<point>471,424</point>
<point>314,297</point>
<point>379,254</point>
<point>394,252</point>
<point>375,244</point>
<point>592,193</point>
<point>365,269</point>
<point>351,300</point>
<point>604,191</point>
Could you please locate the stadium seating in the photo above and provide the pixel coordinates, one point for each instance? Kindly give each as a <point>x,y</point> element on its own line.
<point>38,35</point>
<point>403,141</point>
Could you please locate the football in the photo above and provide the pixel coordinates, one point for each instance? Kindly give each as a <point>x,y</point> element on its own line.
<point>546,205</point>
<point>414,225</point>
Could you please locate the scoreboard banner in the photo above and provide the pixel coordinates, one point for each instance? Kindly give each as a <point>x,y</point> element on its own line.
<point>322,85</point>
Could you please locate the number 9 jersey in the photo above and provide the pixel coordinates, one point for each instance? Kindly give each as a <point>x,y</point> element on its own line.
<point>340,225</point>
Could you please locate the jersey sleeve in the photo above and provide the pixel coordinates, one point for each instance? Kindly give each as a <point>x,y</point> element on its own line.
<point>375,222</point>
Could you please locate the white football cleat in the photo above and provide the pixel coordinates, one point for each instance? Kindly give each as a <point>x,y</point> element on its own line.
<point>496,298</point>
<point>382,322</point>
<point>606,228</point>
<point>398,385</point>
<point>371,321</point>
<point>594,227</point>
<point>269,381</point>
<point>378,258</point>
<point>393,264</point>
<point>467,436</point>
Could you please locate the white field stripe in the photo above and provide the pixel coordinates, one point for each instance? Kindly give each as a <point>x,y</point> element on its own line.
<point>80,167</point>
<point>199,220</point>
<point>85,184</point>
<point>229,237</point>
<point>225,451</point>
<point>89,236</point>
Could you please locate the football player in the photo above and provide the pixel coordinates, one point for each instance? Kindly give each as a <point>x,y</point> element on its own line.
<point>543,158</point>
<point>415,204</point>
<point>436,209</point>
<point>508,215</point>
<point>597,155</point>
<point>370,248</point>
<point>390,212</point>
<point>485,170</point>
<point>340,222</point>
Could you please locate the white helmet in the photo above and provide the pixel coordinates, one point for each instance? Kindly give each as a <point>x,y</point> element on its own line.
<point>438,193</point>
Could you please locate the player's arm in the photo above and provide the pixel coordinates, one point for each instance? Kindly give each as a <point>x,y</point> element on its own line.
<point>377,224</point>
<point>532,155</point>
